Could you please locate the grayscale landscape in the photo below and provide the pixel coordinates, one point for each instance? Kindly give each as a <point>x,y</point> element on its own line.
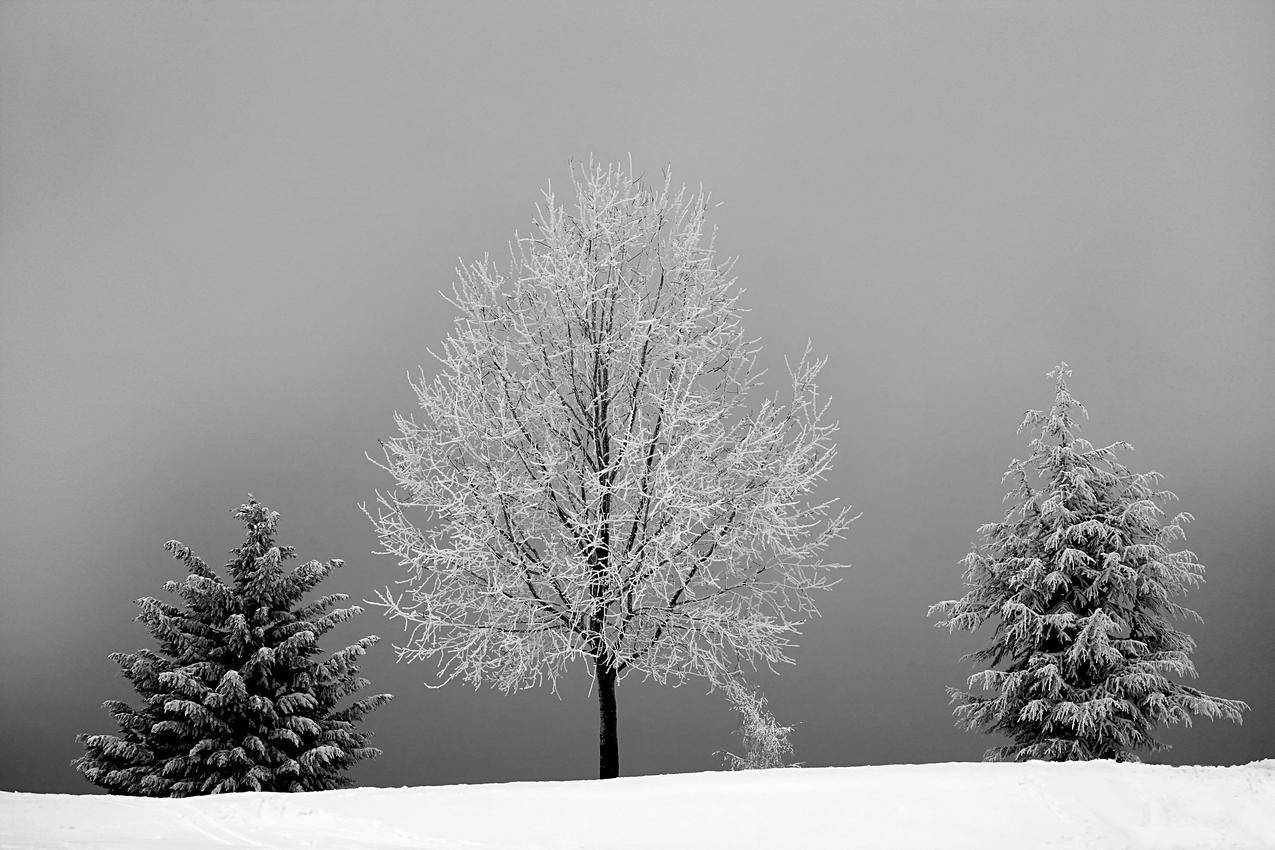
<point>649,425</point>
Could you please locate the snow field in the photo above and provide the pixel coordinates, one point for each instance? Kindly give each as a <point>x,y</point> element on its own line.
<point>958,805</point>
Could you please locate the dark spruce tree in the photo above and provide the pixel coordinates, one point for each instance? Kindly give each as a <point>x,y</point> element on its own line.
<point>1079,579</point>
<point>239,696</point>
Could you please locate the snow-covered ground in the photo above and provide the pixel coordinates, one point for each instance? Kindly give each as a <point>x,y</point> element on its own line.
<point>1081,805</point>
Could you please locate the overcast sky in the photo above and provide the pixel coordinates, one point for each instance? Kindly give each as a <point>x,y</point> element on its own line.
<point>223,227</point>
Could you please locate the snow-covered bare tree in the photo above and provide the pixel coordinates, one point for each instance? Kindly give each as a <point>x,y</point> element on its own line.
<point>592,476</point>
<point>1080,579</point>
<point>765,743</point>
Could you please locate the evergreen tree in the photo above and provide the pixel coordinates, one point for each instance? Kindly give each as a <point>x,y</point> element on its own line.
<point>1079,578</point>
<point>237,697</point>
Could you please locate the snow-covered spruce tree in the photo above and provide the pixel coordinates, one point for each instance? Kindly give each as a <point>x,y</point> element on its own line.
<point>765,743</point>
<point>237,698</point>
<point>1079,579</point>
<point>591,478</point>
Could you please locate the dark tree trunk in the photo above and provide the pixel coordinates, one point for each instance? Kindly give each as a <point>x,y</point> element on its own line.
<point>608,738</point>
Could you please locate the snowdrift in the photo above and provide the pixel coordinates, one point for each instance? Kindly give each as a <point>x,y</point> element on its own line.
<point>1080,805</point>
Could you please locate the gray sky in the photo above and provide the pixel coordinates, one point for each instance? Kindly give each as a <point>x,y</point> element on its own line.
<point>223,227</point>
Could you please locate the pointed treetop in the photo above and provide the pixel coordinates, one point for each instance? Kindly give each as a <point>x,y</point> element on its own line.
<point>258,555</point>
<point>261,521</point>
<point>1058,421</point>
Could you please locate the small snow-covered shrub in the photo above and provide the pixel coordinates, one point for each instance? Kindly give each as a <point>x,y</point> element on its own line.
<point>766,744</point>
